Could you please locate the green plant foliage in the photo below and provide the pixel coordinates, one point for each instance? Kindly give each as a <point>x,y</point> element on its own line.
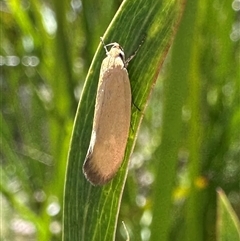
<point>183,143</point>
<point>228,225</point>
<point>90,213</point>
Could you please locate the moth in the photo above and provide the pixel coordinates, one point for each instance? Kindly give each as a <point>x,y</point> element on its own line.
<point>112,117</point>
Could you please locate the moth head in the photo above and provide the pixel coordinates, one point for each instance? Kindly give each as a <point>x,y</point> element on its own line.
<point>116,51</point>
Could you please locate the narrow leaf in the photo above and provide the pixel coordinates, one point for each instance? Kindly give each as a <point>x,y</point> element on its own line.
<point>90,213</point>
<point>228,226</point>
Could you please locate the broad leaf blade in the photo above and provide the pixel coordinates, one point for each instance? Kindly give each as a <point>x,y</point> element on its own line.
<point>90,213</point>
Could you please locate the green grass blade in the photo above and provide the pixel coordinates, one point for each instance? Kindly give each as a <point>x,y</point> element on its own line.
<point>228,226</point>
<point>90,213</point>
<point>175,92</point>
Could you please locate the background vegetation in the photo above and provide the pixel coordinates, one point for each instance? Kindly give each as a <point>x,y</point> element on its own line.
<point>188,145</point>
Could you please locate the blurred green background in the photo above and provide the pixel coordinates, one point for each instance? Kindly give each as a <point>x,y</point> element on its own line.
<point>46,50</point>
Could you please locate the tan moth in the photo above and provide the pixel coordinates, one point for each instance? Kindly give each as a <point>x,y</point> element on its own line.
<point>111,118</point>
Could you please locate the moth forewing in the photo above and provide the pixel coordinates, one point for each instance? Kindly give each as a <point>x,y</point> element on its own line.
<point>111,120</point>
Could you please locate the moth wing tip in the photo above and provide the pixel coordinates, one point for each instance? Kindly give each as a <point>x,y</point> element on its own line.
<point>93,175</point>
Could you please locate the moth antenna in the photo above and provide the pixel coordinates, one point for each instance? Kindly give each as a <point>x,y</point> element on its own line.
<point>134,53</point>
<point>104,46</point>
